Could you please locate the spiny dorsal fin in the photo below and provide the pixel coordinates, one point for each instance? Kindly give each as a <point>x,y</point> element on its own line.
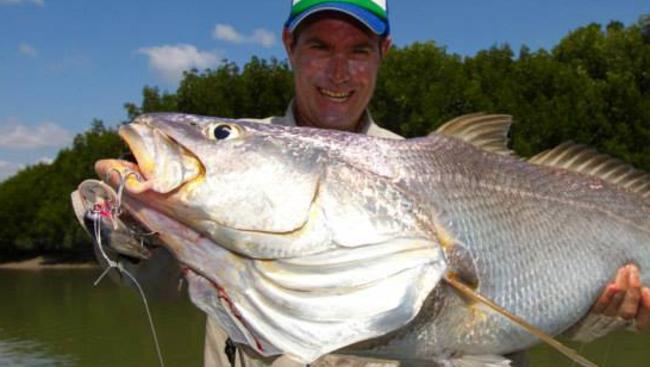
<point>582,159</point>
<point>488,132</point>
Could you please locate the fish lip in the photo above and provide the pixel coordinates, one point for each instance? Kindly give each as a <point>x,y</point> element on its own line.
<point>145,174</point>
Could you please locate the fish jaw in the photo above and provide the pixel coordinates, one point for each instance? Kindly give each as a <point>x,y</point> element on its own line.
<point>220,187</point>
<point>267,305</point>
<point>163,165</point>
<point>254,181</point>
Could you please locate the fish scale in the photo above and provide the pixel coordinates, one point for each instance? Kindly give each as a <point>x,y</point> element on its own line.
<point>517,218</point>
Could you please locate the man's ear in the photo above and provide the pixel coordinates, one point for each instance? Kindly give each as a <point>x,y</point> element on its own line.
<point>289,43</point>
<point>386,42</point>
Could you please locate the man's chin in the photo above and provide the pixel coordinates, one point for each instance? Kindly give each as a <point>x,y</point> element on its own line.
<point>327,114</point>
<point>338,118</point>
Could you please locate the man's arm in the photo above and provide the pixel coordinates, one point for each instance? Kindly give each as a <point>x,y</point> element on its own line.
<point>623,303</point>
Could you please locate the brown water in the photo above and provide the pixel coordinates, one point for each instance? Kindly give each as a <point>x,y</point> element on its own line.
<point>57,318</point>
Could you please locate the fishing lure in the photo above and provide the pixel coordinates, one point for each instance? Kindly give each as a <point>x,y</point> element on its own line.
<point>98,207</point>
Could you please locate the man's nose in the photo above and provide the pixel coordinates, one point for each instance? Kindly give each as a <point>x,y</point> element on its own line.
<point>339,69</point>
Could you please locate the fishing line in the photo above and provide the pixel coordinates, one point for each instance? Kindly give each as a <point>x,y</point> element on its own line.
<point>607,350</point>
<point>98,211</point>
<point>580,351</point>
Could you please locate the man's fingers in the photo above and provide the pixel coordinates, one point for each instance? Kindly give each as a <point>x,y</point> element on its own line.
<point>634,280</point>
<point>623,277</point>
<point>614,305</point>
<point>630,305</point>
<point>605,299</point>
<point>643,316</point>
<point>609,302</point>
<point>624,298</point>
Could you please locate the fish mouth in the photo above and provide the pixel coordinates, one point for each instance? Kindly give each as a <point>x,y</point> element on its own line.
<point>156,164</point>
<point>162,164</point>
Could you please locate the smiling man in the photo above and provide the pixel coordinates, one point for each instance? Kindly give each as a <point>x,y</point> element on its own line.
<point>335,49</point>
<point>335,62</point>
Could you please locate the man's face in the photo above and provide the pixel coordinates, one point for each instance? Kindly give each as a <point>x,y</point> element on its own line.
<point>335,61</point>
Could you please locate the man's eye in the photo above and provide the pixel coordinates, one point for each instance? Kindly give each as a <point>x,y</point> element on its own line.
<point>362,51</point>
<point>317,46</point>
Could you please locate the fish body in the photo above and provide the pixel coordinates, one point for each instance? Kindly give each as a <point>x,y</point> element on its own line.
<point>305,241</point>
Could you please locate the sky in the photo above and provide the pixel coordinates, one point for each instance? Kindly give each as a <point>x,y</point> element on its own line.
<point>64,63</point>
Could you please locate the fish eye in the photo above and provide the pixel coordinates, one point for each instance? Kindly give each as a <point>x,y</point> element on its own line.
<point>222,131</point>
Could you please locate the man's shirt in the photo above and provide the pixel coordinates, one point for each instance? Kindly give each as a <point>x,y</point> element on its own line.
<point>368,125</point>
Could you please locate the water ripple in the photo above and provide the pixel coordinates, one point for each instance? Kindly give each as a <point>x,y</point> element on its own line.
<point>27,353</point>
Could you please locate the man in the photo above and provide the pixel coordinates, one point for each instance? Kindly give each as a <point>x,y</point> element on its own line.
<point>335,49</point>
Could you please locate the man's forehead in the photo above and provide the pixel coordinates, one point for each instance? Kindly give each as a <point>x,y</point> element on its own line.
<point>354,44</point>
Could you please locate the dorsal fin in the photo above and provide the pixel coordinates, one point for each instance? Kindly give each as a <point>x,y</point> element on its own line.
<point>582,159</point>
<point>488,132</point>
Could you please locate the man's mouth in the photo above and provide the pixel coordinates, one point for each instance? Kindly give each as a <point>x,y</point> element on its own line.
<point>335,96</point>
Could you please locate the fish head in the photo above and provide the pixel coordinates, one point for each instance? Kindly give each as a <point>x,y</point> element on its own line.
<point>290,238</point>
<point>217,173</point>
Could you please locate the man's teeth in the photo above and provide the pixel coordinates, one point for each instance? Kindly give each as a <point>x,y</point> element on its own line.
<point>338,95</point>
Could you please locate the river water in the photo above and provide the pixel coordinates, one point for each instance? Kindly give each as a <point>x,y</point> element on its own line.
<point>57,318</point>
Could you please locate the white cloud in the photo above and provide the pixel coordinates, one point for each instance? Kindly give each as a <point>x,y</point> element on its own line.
<point>16,135</point>
<point>8,169</point>
<point>170,61</point>
<point>228,33</point>
<point>263,37</point>
<point>27,50</point>
<point>16,2</point>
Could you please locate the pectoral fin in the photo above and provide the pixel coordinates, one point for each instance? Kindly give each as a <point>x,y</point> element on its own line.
<point>476,297</point>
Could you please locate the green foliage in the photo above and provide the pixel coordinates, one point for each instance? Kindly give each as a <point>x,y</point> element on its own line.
<point>592,88</point>
<point>35,203</point>
<point>152,101</point>
<point>261,89</point>
<point>417,85</point>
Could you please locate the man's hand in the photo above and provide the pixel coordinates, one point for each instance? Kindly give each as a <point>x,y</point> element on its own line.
<point>626,299</point>
<point>622,303</point>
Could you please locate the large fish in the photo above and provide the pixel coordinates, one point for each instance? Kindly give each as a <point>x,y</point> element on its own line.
<point>303,241</point>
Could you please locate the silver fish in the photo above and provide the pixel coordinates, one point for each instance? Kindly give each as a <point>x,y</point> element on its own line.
<point>303,241</point>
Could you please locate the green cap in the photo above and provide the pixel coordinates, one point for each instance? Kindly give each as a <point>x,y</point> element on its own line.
<point>372,13</point>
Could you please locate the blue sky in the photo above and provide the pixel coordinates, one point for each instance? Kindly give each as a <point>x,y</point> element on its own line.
<point>65,62</point>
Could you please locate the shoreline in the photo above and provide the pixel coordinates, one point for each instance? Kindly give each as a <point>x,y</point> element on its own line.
<point>44,263</point>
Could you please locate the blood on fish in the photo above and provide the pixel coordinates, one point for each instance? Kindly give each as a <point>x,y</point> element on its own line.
<point>222,294</point>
